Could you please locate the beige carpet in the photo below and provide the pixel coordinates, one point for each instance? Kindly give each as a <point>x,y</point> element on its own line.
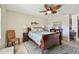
<point>32,48</point>
<point>8,50</point>
<point>20,49</point>
<point>26,48</point>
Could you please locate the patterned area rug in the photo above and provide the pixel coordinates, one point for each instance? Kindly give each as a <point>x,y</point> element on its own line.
<point>63,49</point>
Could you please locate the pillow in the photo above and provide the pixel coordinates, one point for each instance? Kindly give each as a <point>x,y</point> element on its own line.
<point>34,30</point>
<point>37,29</point>
<point>40,29</point>
<point>45,29</point>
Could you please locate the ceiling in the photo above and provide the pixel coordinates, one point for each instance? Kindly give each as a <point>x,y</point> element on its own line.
<point>33,9</point>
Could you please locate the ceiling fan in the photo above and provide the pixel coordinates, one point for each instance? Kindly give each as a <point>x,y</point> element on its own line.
<point>51,8</point>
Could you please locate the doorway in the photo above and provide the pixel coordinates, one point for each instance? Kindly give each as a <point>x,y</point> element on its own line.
<point>72,33</point>
<point>78,28</point>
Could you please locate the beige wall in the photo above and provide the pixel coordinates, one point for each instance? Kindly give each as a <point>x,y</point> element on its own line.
<point>3,27</point>
<point>64,20</point>
<point>17,21</point>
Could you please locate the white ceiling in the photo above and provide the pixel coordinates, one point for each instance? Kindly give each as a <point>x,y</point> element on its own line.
<point>33,9</point>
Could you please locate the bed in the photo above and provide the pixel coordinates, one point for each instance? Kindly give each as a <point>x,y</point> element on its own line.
<point>45,39</point>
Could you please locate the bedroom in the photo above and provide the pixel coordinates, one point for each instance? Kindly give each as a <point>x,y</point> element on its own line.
<point>17,16</point>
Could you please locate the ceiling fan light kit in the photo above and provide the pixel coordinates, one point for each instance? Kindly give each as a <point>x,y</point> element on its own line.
<point>49,12</point>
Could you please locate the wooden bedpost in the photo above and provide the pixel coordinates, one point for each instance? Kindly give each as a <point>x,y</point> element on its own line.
<point>60,37</point>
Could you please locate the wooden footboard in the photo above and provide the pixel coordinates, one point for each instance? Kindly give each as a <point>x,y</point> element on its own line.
<point>51,39</point>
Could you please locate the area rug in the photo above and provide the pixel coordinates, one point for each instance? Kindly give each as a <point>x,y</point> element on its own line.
<point>63,49</point>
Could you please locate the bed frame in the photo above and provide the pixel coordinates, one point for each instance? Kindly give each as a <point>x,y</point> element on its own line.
<point>50,40</point>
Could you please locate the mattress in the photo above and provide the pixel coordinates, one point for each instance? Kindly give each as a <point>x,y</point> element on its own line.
<point>37,36</point>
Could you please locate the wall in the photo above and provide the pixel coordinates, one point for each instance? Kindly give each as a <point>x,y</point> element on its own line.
<point>3,27</point>
<point>64,20</point>
<point>17,21</point>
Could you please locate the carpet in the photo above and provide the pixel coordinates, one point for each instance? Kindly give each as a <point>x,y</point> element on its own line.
<point>63,49</point>
<point>8,50</point>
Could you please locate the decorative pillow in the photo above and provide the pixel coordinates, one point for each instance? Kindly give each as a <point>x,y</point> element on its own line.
<point>40,29</point>
<point>45,29</point>
<point>34,30</point>
<point>37,29</point>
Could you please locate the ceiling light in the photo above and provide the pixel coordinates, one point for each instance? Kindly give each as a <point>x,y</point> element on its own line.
<point>48,12</point>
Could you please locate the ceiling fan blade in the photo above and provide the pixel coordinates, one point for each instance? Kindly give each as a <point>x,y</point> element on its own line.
<point>54,12</point>
<point>47,7</point>
<point>42,11</point>
<point>55,7</point>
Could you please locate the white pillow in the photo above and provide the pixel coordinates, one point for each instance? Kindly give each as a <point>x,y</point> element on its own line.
<point>34,30</point>
<point>37,29</point>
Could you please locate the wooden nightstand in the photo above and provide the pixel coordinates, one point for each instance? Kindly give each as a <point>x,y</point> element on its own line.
<point>25,37</point>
